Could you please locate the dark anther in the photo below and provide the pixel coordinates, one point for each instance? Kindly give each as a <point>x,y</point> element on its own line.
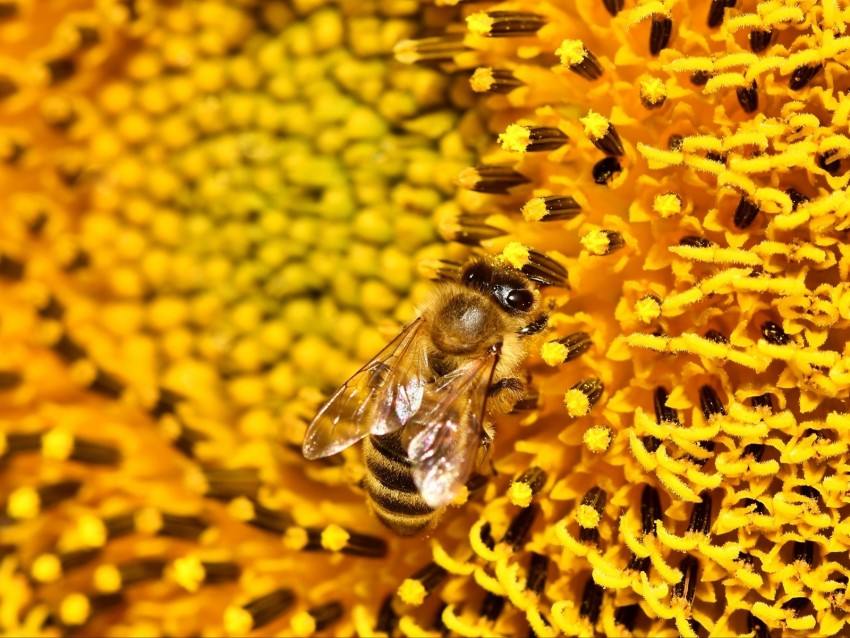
<point>773,333</point>
<point>226,484</point>
<point>22,443</point>
<point>802,75</point>
<point>591,601</point>
<point>615,242</point>
<point>675,142</point>
<point>805,551</point>
<point>710,402</point>
<point>745,213</point>
<point>545,138</point>
<point>534,477</point>
<point>831,166</point>
<point>650,509</point>
<point>119,525</point>
<point>613,6</point>
<point>748,97</point>
<point>545,270</point>
<point>577,343</point>
<point>60,69</point>
<point>626,616</point>
<point>651,443</point>
<point>760,509</point>
<point>748,559</point>
<point>387,618</point>
<point>185,527</point>
<point>54,493</point>
<point>659,33</point>
<point>796,197</point>
<point>760,39</point>
<point>520,527</point>
<point>605,170</point>
<point>716,157</point>
<point>430,576</point>
<point>695,242</point>
<point>487,535</point>
<point>9,380</point>
<point>663,413</point>
<point>166,403</point>
<point>107,384</point>
<point>591,388</point>
<point>610,143</point>
<point>10,268</point>
<point>761,401</point>
<point>186,441</point>
<point>638,564</point>
<point>265,609</point>
<point>492,606</point>
<point>809,492</point>
<point>757,627</point>
<point>7,87</point>
<point>589,536</point>
<point>94,453</point>
<point>140,571</point>
<point>8,10</point>
<point>589,67</point>
<point>496,180</point>
<point>595,497</point>
<point>365,545</point>
<point>494,81</point>
<point>506,24</point>
<point>700,77</point>
<point>326,615</point>
<point>716,337</point>
<point>700,522</point>
<point>686,588</point>
<point>538,569</point>
<point>715,12</point>
<point>471,230</point>
<point>268,519</point>
<point>555,208</point>
<point>797,605</point>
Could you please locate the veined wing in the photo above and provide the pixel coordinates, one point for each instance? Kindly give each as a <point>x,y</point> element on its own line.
<point>443,438</point>
<point>379,398</point>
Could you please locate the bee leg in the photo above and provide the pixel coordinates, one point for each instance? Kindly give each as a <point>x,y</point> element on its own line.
<point>503,395</point>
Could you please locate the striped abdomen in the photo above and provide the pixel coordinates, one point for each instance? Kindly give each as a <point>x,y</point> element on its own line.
<point>389,484</point>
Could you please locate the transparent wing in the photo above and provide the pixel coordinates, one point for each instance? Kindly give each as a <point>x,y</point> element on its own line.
<point>443,438</point>
<point>379,398</point>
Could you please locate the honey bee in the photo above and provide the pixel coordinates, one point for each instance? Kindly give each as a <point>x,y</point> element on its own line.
<point>421,404</point>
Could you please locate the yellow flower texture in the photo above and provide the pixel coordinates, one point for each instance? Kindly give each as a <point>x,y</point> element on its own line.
<point>212,208</point>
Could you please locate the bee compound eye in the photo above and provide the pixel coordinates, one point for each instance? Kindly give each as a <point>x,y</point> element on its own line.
<point>520,299</point>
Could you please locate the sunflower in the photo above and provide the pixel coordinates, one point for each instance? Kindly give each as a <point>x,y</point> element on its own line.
<point>215,211</point>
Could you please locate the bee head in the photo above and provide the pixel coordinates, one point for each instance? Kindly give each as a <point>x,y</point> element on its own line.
<point>509,289</point>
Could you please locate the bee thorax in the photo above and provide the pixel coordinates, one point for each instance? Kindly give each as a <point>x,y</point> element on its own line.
<point>463,325</point>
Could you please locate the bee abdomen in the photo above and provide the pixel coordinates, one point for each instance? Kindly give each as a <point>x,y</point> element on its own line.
<point>391,489</point>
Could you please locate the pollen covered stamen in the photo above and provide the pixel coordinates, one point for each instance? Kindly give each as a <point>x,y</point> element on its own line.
<point>531,139</point>
<point>550,208</point>
<point>502,24</point>
<point>526,485</point>
<point>603,242</point>
<point>259,612</point>
<point>601,132</point>
<point>489,80</point>
<point>415,589</point>
<point>581,398</point>
<point>579,60</point>
<point>566,348</point>
<point>589,513</point>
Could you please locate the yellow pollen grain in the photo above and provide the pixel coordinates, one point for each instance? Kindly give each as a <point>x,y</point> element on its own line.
<point>334,538</point>
<point>92,531</point>
<point>241,509</point>
<point>597,438</point>
<point>295,538</point>
<point>482,79</point>
<point>595,125</point>
<point>303,625</point>
<point>412,592</point>
<point>596,242</point>
<point>46,568</point>
<point>647,309</point>
<point>57,444</point>
<point>576,402</point>
<point>237,621</point>
<point>189,573</point>
<point>148,521</point>
<point>587,517</point>
<point>516,254</point>
<point>515,138</point>
<point>534,209</point>
<point>24,504</point>
<point>667,204</point>
<point>75,610</point>
<point>520,494</point>
<point>107,579</point>
<point>553,352</point>
<point>571,52</point>
<point>479,23</point>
